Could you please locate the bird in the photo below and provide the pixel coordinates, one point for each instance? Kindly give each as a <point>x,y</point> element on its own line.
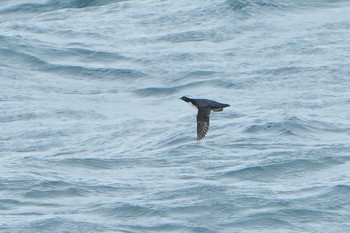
<point>204,107</point>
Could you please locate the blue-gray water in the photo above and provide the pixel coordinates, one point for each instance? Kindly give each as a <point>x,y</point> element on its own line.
<point>93,137</point>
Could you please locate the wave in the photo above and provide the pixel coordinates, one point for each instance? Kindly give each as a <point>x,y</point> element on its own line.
<point>242,4</point>
<point>280,170</point>
<point>331,198</point>
<point>168,91</point>
<point>79,62</point>
<point>52,5</point>
<point>254,6</point>
<point>57,224</point>
<point>45,194</point>
<point>122,210</point>
<point>293,126</point>
<point>171,227</point>
<point>193,36</point>
<point>95,73</point>
<point>156,91</point>
<point>261,222</point>
<point>25,60</point>
<point>92,163</point>
<point>8,204</point>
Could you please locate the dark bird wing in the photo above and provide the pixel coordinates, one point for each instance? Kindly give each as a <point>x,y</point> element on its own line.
<point>202,122</point>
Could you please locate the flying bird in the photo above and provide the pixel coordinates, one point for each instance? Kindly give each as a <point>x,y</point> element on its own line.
<point>204,107</point>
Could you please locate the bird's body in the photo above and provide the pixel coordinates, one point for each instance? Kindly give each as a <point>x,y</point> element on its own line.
<point>204,107</point>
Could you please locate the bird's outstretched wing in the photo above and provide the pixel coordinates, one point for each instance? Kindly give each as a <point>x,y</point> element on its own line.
<point>202,122</point>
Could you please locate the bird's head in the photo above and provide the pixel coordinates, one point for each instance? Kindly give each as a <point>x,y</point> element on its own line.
<point>185,98</point>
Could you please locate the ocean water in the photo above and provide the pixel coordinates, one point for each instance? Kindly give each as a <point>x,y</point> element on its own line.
<point>93,137</point>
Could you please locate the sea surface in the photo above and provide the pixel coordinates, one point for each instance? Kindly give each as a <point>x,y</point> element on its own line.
<point>94,138</point>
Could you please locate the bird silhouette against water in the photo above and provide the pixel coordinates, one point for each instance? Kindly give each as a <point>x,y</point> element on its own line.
<point>204,107</point>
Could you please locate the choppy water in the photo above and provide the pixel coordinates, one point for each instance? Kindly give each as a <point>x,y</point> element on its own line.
<point>94,138</point>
